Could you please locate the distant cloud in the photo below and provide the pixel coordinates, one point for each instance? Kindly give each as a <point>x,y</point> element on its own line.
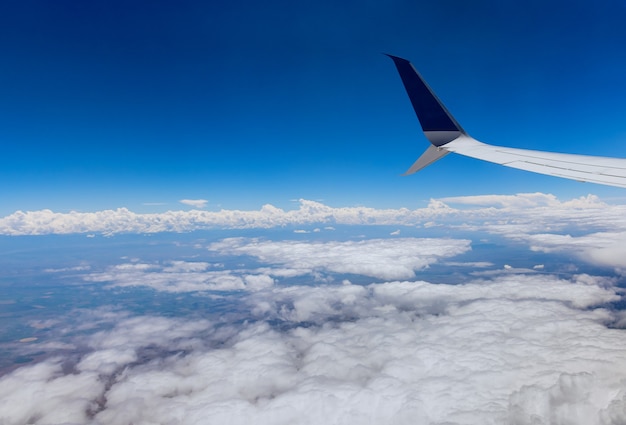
<point>521,200</point>
<point>540,220</point>
<point>527,209</point>
<point>196,203</point>
<point>68,269</point>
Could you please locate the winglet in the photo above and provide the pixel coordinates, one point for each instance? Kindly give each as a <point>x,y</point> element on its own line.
<point>432,154</point>
<point>438,124</point>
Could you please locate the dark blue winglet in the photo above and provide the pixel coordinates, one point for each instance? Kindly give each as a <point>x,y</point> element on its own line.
<point>437,123</point>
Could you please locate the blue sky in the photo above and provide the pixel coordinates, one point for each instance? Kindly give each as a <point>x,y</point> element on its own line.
<point>110,104</point>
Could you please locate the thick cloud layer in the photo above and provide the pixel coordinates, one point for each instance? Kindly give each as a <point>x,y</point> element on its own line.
<point>522,349</point>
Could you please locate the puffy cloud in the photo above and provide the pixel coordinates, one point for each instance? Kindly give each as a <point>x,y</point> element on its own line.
<point>380,258</point>
<point>512,349</point>
<point>602,248</point>
<point>44,394</point>
<point>123,220</point>
<point>196,203</point>
<point>541,207</point>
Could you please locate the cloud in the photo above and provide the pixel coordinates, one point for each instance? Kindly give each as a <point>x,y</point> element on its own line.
<point>196,203</point>
<point>523,200</point>
<point>540,209</point>
<point>603,248</point>
<point>513,349</point>
<point>515,345</point>
<point>380,258</point>
<point>591,230</point>
<point>176,276</point>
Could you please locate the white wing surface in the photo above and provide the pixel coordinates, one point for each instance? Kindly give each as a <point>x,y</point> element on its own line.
<point>446,135</point>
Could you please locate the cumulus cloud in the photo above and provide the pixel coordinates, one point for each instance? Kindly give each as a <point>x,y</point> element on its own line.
<point>513,349</point>
<point>123,220</point>
<point>602,248</point>
<point>196,203</point>
<point>540,209</point>
<point>592,230</point>
<point>380,258</point>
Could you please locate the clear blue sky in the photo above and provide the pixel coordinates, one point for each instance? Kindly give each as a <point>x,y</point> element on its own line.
<point>110,104</point>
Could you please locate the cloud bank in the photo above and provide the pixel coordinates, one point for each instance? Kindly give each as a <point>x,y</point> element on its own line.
<point>537,207</point>
<point>589,229</point>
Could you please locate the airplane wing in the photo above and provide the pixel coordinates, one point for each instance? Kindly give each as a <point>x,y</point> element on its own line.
<point>446,135</point>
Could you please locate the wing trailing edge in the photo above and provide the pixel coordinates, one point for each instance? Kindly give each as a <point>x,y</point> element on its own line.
<point>446,135</point>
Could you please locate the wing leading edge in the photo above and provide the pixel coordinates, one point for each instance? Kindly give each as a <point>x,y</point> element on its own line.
<point>446,135</point>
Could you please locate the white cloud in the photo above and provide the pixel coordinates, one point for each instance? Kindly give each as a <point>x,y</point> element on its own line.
<point>524,200</point>
<point>176,276</point>
<point>603,248</point>
<point>514,346</point>
<point>542,211</point>
<point>67,269</point>
<point>380,258</point>
<point>196,203</point>
<point>515,349</point>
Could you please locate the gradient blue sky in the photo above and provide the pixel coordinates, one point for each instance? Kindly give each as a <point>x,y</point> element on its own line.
<point>110,104</point>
